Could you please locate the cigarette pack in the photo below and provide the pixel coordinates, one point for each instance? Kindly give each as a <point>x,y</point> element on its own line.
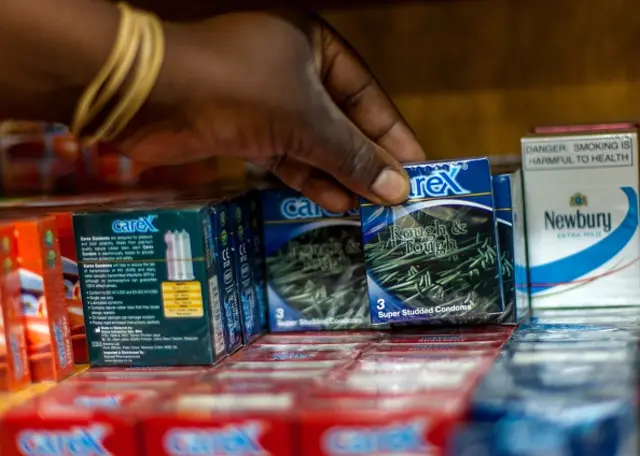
<point>315,265</point>
<point>581,195</point>
<point>42,295</point>
<point>434,258</point>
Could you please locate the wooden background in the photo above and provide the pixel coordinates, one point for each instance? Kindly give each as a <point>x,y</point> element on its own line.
<point>472,76</point>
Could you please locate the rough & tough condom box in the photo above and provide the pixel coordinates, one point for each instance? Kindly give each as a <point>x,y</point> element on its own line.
<point>509,207</point>
<point>435,258</point>
<point>42,295</point>
<point>314,262</point>
<point>152,285</point>
<point>15,373</point>
<point>581,195</point>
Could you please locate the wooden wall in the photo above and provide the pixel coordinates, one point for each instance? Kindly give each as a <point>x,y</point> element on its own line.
<point>471,77</point>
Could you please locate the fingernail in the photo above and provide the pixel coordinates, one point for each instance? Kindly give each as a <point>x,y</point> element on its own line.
<point>391,186</point>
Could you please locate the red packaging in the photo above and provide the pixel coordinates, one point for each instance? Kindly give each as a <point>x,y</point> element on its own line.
<point>284,376</point>
<point>399,362</point>
<point>338,337</point>
<point>490,338</point>
<point>14,362</point>
<point>294,355</point>
<point>358,346</point>
<point>417,425</point>
<point>47,324</point>
<point>484,346</point>
<point>129,374</point>
<point>291,364</point>
<point>76,420</point>
<point>214,423</point>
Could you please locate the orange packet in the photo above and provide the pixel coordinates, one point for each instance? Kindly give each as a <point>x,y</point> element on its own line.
<point>42,294</point>
<point>14,363</point>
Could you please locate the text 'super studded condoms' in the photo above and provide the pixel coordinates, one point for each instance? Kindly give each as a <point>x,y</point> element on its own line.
<point>315,266</point>
<point>435,257</point>
<point>581,195</point>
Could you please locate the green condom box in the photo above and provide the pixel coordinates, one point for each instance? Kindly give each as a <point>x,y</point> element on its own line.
<point>151,285</point>
<point>314,264</point>
<point>434,258</point>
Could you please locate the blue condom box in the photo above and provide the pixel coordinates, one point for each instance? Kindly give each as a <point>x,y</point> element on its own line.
<point>434,258</point>
<point>314,265</point>
<point>509,207</point>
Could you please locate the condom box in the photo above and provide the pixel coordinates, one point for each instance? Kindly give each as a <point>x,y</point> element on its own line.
<point>62,208</point>
<point>256,253</point>
<point>151,285</point>
<point>42,296</point>
<point>581,195</point>
<point>224,257</point>
<point>14,362</point>
<point>242,244</point>
<point>434,258</point>
<point>508,203</point>
<point>192,423</point>
<point>76,419</point>
<point>379,425</point>
<point>320,337</point>
<point>314,264</point>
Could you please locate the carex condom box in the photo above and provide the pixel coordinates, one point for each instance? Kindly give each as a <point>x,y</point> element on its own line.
<point>242,244</point>
<point>15,373</point>
<point>199,422</point>
<point>379,425</point>
<point>314,263</point>
<point>507,196</point>
<point>151,285</point>
<point>434,258</point>
<point>581,195</point>
<point>42,295</point>
<point>77,419</point>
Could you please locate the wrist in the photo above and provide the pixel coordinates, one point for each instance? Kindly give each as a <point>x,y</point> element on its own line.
<point>53,56</point>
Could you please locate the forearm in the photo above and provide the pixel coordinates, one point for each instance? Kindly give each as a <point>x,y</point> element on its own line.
<point>50,51</point>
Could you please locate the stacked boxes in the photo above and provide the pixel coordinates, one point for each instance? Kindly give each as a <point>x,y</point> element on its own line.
<point>581,194</point>
<point>558,389</point>
<point>507,195</point>
<point>242,243</point>
<point>435,257</point>
<point>42,295</point>
<point>14,362</point>
<point>151,285</point>
<point>314,264</point>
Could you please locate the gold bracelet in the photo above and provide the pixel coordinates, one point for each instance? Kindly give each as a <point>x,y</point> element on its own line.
<point>137,58</point>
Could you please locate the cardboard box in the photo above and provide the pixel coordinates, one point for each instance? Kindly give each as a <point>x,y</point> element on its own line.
<point>47,324</point>
<point>15,373</point>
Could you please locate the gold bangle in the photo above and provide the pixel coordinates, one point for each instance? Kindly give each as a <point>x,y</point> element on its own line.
<point>139,44</point>
<point>112,73</point>
<point>150,58</point>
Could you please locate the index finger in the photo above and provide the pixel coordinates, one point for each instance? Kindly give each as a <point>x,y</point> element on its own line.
<point>355,90</point>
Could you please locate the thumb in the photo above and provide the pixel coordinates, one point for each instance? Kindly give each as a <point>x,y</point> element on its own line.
<point>341,150</point>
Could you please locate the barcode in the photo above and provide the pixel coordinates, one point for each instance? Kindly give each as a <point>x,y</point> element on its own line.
<point>216,317</point>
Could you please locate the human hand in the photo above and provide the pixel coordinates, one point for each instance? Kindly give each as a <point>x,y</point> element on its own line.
<point>285,92</point>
